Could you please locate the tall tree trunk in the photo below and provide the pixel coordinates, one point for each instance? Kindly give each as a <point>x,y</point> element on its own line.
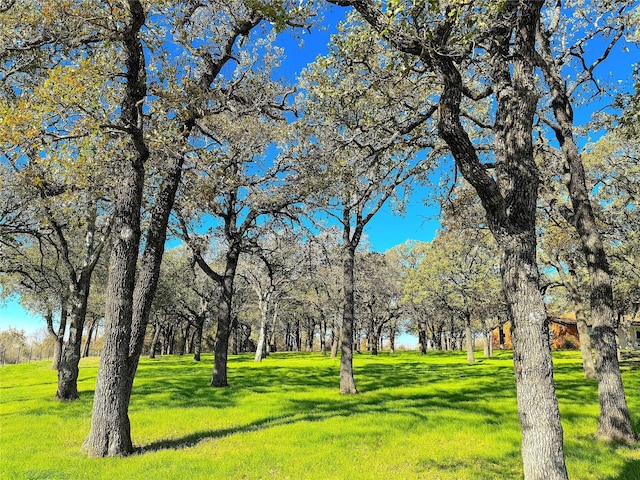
<point>347,382</point>
<point>110,433</point>
<point>509,199</point>
<point>510,205</point>
<point>615,421</point>
<point>129,295</point>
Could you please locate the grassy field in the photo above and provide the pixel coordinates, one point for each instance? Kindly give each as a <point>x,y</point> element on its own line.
<point>418,417</point>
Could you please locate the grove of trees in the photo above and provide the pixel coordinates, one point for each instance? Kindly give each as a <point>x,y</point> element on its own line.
<point>159,179</point>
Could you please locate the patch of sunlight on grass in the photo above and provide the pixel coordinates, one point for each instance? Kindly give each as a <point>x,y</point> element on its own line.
<point>417,416</point>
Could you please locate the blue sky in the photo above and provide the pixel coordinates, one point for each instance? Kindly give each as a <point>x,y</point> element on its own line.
<point>383,232</point>
<point>386,229</point>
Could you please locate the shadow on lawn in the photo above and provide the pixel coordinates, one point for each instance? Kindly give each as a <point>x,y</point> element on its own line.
<point>631,471</point>
<point>380,384</point>
<point>453,392</point>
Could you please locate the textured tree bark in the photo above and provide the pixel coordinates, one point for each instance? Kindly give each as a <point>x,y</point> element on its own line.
<point>130,291</point>
<point>615,421</point>
<point>510,205</point>
<point>221,345</point>
<point>347,382</point>
<point>110,428</point>
<point>68,369</point>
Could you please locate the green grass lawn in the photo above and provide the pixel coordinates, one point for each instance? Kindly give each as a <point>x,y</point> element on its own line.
<point>417,417</point>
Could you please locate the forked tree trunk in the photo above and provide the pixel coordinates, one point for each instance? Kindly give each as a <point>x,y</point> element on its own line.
<point>130,292</point>
<point>510,205</point>
<point>87,345</point>
<point>110,433</point>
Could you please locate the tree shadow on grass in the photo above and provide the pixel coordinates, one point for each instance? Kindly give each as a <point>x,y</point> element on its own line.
<point>375,399</point>
<point>631,471</point>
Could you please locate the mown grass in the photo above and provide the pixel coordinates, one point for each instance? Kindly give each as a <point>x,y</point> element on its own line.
<point>417,417</point>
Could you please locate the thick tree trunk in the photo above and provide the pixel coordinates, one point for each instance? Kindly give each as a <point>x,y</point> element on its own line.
<point>615,421</point>
<point>422,336</point>
<point>221,345</point>
<point>347,382</point>
<point>537,402</point>
<point>585,346</point>
<point>129,298</point>
<point>510,205</point>
<point>509,199</point>
<point>70,359</point>
<point>110,428</point>
<point>374,341</point>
